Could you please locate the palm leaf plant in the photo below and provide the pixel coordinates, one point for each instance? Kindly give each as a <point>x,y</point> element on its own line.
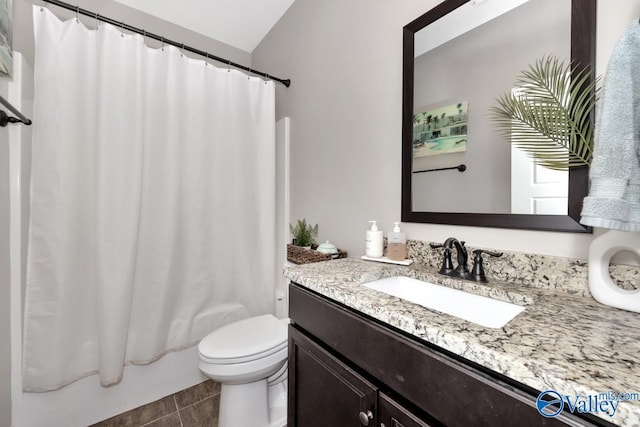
<point>549,114</point>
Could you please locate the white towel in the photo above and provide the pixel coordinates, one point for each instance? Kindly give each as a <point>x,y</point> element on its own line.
<point>614,197</point>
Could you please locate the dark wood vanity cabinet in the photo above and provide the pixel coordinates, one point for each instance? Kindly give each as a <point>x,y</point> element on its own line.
<point>327,392</point>
<point>348,370</point>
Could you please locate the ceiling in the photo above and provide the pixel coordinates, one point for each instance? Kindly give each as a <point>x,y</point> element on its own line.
<point>239,23</point>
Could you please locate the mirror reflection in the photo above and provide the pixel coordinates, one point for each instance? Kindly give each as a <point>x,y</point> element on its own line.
<point>462,62</point>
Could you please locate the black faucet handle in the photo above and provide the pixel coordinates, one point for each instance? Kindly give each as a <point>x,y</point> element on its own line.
<point>447,265</point>
<point>477,272</point>
<point>479,252</point>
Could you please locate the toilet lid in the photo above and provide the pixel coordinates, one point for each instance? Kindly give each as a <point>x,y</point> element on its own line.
<point>247,339</point>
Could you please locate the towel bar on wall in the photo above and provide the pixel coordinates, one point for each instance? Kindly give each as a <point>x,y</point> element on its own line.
<point>6,119</point>
<point>461,168</point>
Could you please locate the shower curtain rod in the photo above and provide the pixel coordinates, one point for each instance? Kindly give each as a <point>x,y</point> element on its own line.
<point>6,119</point>
<point>78,10</point>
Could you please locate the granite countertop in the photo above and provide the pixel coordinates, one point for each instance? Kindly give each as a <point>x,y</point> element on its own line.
<point>564,342</point>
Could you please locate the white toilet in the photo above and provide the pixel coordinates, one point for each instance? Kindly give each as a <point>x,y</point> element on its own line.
<point>249,359</point>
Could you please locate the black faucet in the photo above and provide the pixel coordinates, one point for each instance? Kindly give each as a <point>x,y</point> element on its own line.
<point>462,271</point>
<point>477,272</point>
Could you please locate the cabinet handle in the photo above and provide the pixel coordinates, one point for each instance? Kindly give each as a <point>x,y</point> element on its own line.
<point>365,417</point>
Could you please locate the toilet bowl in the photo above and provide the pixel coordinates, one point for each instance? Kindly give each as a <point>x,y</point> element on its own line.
<point>249,359</point>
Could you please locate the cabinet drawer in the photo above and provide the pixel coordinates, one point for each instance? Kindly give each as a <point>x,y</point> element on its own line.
<point>448,390</point>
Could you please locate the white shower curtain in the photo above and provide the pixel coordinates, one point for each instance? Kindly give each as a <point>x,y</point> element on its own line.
<point>152,202</point>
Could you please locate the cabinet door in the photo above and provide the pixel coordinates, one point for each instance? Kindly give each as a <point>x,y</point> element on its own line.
<point>392,414</point>
<point>323,391</point>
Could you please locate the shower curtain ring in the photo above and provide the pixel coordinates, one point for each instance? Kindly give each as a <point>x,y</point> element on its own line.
<point>182,51</point>
<point>121,28</point>
<point>97,21</point>
<point>229,66</point>
<point>162,41</point>
<point>206,60</point>
<point>77,10</point>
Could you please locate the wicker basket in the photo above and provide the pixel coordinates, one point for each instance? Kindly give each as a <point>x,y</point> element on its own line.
<point>300,255</point>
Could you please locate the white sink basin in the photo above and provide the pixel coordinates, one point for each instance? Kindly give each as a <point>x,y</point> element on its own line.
<point>478,309</point>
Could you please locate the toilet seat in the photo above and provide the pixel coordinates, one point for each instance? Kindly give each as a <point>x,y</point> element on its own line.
<point>244,341</point>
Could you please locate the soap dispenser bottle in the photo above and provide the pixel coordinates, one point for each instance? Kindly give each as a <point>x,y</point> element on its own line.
<point>375,244</point>
<point>397,244</point>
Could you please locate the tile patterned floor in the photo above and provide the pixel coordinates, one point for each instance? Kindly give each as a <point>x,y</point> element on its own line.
<point>194,407</point>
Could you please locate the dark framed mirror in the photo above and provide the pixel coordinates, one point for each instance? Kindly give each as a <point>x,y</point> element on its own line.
<point>441,89</point>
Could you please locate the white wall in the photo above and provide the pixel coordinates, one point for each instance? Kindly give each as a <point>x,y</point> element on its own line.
<point>14,143</point>
<point>345,63</point>
<point>5,331</point>
<point>20,94</point>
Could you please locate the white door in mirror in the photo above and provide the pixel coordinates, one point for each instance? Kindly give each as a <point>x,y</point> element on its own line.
<point>535,189</point>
